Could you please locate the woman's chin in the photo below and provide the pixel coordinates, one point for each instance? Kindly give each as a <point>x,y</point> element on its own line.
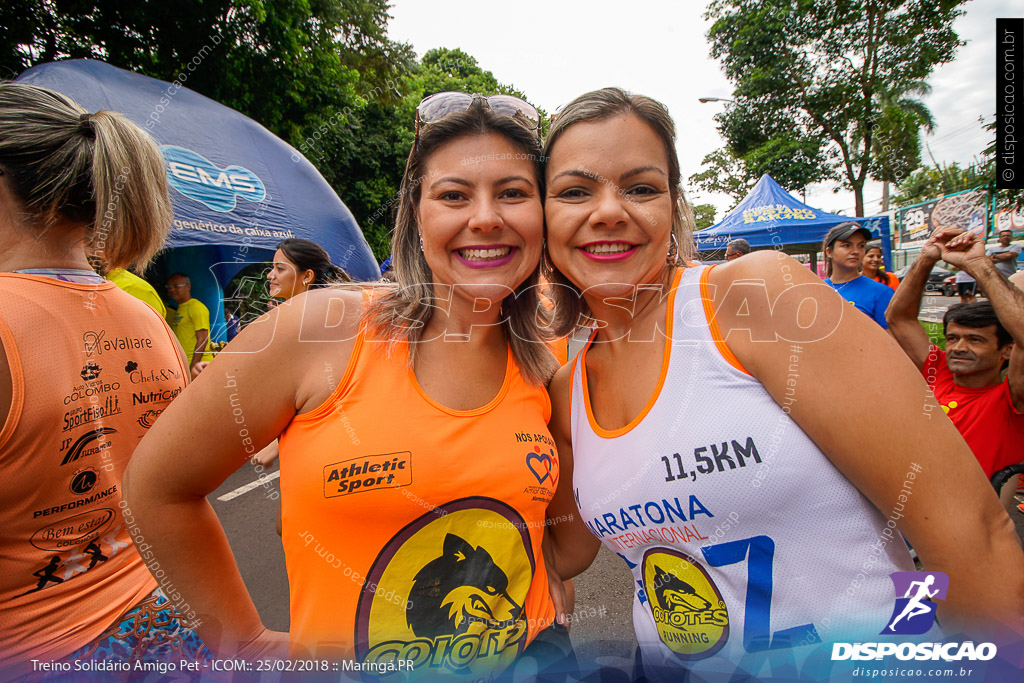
<point>612,290</point>
<point>479,293</point>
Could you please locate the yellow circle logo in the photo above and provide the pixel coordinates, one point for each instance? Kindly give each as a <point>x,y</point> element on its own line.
<point>449,593</point>
<point>689,612</point>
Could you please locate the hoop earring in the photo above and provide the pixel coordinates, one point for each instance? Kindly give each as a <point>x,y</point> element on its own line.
<point>672,257</point>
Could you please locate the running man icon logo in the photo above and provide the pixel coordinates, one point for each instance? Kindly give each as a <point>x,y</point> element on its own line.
<point>914,613</point>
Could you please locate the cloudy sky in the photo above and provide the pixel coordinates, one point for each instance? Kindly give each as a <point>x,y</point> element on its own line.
<point>555,50</point>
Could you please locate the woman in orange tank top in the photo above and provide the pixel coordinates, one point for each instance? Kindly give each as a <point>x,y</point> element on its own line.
<point>85,369</point>
<point>873,264</point>
<point>416,465</point>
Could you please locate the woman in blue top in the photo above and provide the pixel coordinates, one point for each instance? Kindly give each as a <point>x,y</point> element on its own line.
<point>844,248</point>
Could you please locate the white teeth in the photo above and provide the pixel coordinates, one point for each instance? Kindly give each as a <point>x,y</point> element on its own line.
<point>484,254</point>
<point>608,248</point>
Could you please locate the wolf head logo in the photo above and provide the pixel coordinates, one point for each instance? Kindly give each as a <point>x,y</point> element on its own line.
<point>674,594</point>
<point>462,591</point>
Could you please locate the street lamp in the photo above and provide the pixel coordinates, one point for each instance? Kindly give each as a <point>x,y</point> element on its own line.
<point>705,100</point>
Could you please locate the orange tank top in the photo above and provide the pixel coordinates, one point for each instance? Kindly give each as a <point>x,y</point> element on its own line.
<point>91,369</point>
<point>412,531</point>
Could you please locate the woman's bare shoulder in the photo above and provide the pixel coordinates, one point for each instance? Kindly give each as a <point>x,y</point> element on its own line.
<point>326,314</point>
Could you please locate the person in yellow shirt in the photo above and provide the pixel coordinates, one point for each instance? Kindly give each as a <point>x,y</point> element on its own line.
<point>139,288</point>
<point>191,320</point>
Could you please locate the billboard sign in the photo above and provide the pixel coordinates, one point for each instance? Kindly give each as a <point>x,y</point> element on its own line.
<point>967,210</point>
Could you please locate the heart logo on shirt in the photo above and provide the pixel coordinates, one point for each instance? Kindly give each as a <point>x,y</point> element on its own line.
<point>543,465</point>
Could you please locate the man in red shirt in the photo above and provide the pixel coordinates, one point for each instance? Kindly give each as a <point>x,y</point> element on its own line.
<point>967,377</point>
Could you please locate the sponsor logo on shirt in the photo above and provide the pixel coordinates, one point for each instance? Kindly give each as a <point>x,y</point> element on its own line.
<point>92,341</point>
<point>147,419</point>
<point>162,396</point>
<point>91,371</point>
<point>543,466</point>
<point>96,343</point>
<point>85,543</point>
<point>448,592</point>
<point>92,387</point>
<point>83,480</point>
<point>368,473</point>
<point>81,447</point>
<point>136,376</point>
<point>73,530</point>
<point>688,609</point>
<point>80,415</point>
<point>77,503</point>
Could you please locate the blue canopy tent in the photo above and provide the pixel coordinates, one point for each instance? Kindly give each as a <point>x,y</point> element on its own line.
<point>236,188</point>
<point>770,217</point>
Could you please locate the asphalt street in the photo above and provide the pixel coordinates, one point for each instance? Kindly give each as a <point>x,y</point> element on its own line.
<point>933,306</point>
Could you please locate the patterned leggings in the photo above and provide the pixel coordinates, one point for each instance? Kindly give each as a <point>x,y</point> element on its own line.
<point>151,633</point>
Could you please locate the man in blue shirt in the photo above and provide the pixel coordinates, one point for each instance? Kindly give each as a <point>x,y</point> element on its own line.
<point>844,251</point>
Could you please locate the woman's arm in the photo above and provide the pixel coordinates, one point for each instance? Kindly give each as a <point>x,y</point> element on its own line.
<point>240,403</point>
<point>870,411</point>
<point>572,546</point>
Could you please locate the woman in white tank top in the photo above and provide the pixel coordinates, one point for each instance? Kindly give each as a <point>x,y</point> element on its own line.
<point>720,443</point>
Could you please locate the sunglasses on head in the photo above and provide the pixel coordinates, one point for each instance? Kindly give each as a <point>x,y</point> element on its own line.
<point>442,104</point>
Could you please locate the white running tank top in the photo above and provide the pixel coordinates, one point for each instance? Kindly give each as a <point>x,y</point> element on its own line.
<point>745,542</point>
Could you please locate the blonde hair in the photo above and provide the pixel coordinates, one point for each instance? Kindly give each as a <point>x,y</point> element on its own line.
<point>596,106</point>
<point>63,164</point>
<point>402,314</point>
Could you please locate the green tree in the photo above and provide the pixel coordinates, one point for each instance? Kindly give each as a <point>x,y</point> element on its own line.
<point>321,74</point>
<point>444,69</point>
<point>271,59</point>
<point>931,182</point>
<point>724,173</point>
<point>311,70</point>
<point>809,77</point>
<point>704,215</point>
<point>768,143</point>
<point>896,144</point>
<point>365,161</point>
<point>1010,198</point>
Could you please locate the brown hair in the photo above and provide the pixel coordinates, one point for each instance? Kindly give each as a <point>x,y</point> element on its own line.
<point>596,106</point>
<point>63,164</point>
<point>880,275</point>
<point>403,312</point>
<point>308,255</point>
<point>976,315</point>
<point>832,236</point>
